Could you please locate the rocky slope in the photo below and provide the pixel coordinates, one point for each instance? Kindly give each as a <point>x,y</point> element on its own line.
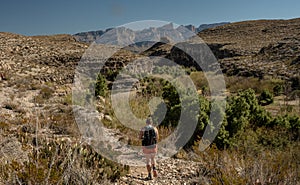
<point>40,58</point>
<point>257,48</point>
<point>36,72</point>
<point>36,120</point>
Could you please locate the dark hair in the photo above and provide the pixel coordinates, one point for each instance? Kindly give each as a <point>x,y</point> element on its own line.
<point>149,120</point>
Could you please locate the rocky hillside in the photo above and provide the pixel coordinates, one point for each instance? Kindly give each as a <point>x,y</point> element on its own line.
<point>257,48</point>
<point>39,138</point>
<point>39,59</point>
<point>35,72</point>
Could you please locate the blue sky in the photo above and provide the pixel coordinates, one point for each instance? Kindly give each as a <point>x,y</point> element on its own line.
<point>39,17</point>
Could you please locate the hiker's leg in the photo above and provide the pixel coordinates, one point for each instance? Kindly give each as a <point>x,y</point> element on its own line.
<point>148,165</point>
<point>149,168</point>
<point>153,163</point>
<point>148,161</point>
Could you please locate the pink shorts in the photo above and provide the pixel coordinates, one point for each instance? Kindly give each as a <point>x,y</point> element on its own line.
<point>150,150</point>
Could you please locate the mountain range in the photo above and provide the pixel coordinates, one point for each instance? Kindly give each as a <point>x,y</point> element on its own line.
<point>91,36</point>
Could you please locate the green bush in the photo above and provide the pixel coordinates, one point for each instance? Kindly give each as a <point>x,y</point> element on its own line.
<point>265,98</point>
<point>278,90</point>
<point>295,83</point>
<point>100,86</point>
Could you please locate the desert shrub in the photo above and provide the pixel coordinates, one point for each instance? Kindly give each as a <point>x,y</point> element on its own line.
<point>295,83</point>
<point>273,138</point>
<point>261,117</point>
<point>295,127</point>
<point>242,113</point>
<point>294,95</point>
<point>111,74</point>
<point>290,123</point>
<point>265,98</point>
<point>281,121</point>
<point>172,101</point>
<point>3,125</point>
<point>46,92</point>
<point>255,147</point>
<point>278,89</point>
<point>67,100</point>
<point>199,79</point>
<point>237,113</point>
<point>171,70</point>
<point>100,86</point>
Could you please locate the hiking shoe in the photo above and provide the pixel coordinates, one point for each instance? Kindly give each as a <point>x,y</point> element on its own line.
<point>154,173</point>
<point>149,177</point>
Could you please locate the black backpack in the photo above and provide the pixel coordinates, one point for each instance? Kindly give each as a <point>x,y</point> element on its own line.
<point>149,139</point>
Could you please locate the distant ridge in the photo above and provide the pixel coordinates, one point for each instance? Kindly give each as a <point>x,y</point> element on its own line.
<point>91,36</point>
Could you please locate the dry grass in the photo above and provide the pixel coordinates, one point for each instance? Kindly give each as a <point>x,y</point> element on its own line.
<point>283,106</point>
<point>249,167</point>
<point>234,83</point>
<point>58,160</point>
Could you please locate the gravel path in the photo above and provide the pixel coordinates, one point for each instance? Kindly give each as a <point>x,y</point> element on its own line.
<point>170,171</point>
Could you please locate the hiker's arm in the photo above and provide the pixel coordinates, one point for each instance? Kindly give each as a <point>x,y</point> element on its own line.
<point>157,134</point>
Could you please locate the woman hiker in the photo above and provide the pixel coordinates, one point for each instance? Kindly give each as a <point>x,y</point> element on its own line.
<point>149,136</point>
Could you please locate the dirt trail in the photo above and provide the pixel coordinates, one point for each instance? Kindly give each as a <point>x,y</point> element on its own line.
<point>170,171</point>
